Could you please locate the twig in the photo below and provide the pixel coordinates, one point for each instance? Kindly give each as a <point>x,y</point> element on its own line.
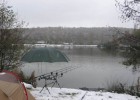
<point>84,95</point>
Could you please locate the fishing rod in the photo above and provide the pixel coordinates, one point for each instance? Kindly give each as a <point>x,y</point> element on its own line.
<point>53,76</point>
<point>56,73</point>
<point>63,70</point>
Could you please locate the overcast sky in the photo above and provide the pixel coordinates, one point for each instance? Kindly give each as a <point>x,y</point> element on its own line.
<point>69,13</point>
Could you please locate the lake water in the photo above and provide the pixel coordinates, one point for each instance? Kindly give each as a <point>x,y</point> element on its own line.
<point>97,69</point>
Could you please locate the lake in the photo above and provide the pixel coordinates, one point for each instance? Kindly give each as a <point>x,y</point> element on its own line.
<point>97,69</point>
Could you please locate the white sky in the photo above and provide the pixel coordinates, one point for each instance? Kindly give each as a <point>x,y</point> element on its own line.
<point>69,13</point>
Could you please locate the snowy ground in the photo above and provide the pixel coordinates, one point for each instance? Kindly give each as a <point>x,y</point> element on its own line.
<point>76,94</point>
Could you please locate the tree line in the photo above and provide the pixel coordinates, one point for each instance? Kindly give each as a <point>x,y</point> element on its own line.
<point>81,35</point>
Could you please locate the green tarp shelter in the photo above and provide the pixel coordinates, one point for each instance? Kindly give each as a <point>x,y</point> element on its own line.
<point>45,54</point>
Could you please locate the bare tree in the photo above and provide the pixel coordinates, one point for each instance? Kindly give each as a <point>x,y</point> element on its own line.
<point>11,41</point>
<point>131,11</point>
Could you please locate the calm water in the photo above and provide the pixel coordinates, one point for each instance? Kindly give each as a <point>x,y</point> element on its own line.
<point>98,69</point>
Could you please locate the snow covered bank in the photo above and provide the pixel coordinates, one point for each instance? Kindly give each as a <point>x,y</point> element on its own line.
<point>75,94</point>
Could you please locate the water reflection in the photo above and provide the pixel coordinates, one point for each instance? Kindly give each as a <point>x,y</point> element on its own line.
<point>97,69</point>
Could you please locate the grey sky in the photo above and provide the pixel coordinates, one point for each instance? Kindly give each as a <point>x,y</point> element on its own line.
<point>69,13</point>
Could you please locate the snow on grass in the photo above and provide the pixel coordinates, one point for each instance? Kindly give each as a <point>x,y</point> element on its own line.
<point>76,94</point>
<point>28,86</point>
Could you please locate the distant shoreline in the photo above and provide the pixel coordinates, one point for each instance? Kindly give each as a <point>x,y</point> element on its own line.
<point>57,45</point>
